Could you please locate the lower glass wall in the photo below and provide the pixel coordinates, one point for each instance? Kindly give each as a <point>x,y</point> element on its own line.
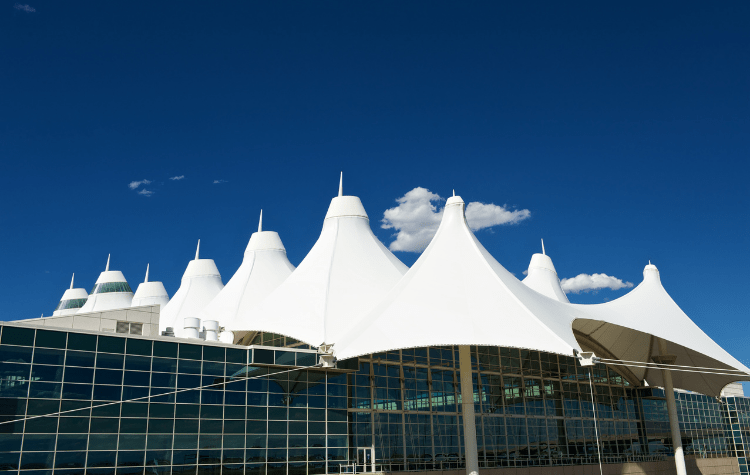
<point>130,405</point>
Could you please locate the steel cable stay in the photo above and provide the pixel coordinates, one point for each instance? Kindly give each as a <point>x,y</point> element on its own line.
<point>319,365</point>
<point>668,366</point>
<point>641,365</point>
<point>596,429</point>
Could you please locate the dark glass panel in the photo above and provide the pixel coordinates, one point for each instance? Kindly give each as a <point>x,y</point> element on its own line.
<point>213,368</point>
<point>210,426</point>
<point>135,409</point>
<point>236,356</point>
<point>36,460</point>
<point>133,426</point>
<point>70,460</point>
<point>108,376</point>
<point>257,399</point>
<point>187,410</point>
<point>255,455</point>
<point>71,442</point>
<point>42,425</point>
<point>184,441</point>
<point>209,456</point>
<point>234,412</point>
<point>284,358</point>
<point>10,442</point>
<point>191,352</point>
<point>158,457</point>
<point>76,425</point>
<point>213,353</point>
<point>234,398</point>
<point>79,375</point>
<point>100,459</point>
<point>104,425</point>
<point>134,393</point>
<point>80,341</point>
<point>254,412</point>
<point>263,356</point>
<point>38,407</point>
<point>100,471</point>
<point>211,412</point>
<point>189,366</point>
<point>106,410</point>
<point>159,442</point>
<point>161,410</point>
<point>163,380</point>
<point>277,427</point>
<point>212,397</point>
<point>39,442</point>
<point>18,336</point>
<point>277,413</point>
<point>46,373</point>
<point>107,393</point>
<point>50,339</point>
<point>164,365</point>
<point>137,378</point>
<point>103,442</point>
<point>111,344</point>
<point>165,349</point>
<point>111,361</point>
<point>186,426</point>
<point>306,359</point>
<point>188,381</point>
<point>160,426</point>
<point>12,407</point>
<point>184,470</point>
<point>138,363</point>
<point>49,356</point>
<point>80,358</point>
<point>138,347</point>
<point>133,471</point>
<point>15,354</point>
<point>256,427</point>
<point>132,442</point>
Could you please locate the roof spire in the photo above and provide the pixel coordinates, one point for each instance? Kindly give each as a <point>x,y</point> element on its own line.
<point>454,192</point>
<point>107,268</point>
<point>260,222</point>
<point>543,248</point>
<point>649,262</point>
<point>146,279</point>
<point>198,250</point>
<point>341,184</point>
<point>71,280</point>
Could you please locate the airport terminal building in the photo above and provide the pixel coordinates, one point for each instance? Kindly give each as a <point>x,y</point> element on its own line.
<point>353,363</point>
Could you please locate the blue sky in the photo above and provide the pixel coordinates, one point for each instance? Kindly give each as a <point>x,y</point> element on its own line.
<point>623,129</point>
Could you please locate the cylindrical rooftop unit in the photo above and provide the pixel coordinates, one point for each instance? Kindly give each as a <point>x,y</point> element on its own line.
<point>211,327</point>
<point>71,301</point>
<point>110,292</point>
<point>191,327</point>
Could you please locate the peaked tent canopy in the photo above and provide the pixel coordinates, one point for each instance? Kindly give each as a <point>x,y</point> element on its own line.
<point>201,282</point>
<point>111,291</point>
<point>628,329</point>
<point>150,293</point>
<point>458,294</point>
<point>346,272</point>
<point>71,301</point>
<point>264,267</point>
<point>543,278</point>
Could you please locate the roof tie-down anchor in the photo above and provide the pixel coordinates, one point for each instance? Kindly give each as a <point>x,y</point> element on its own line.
<point>586,358</point>
<point>327,360</point>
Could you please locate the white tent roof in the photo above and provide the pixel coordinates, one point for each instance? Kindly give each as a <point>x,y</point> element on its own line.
<point>102,298</point>
<point>201,282</point>
<point>543,278</point>
<point>264,266</point>
<point>68,295</point>
<point>346,272</point>
<point>623,329</point>
<point>150,293</point>
<point>458,294</point>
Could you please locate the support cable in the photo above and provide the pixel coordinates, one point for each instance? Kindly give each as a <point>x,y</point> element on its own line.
<point>667,366</point>
<point>163,394</point>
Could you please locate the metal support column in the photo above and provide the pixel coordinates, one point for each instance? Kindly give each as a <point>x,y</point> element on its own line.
<point>674,422</point>
<point>471,453</point>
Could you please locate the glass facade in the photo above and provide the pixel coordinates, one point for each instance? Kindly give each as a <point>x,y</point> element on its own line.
<point>77,403</point>
<point>107,287</point>
<point>72,303</point>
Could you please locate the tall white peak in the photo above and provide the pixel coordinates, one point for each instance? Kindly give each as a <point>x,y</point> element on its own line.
<point>347,270</point>
<point>543,277</point>
<point>264,267</point>
<point>200,283</point>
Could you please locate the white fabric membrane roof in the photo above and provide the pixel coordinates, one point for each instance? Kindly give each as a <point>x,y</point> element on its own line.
<point>346,272</point>
<point>150,293</point>
<point>264,267</point>
<point>458,294</point>
<point>626,328</point>
<point>543,278</point>
<point>201,282</point>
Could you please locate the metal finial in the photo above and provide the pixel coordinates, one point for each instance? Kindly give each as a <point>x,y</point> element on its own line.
<point>198,250</point>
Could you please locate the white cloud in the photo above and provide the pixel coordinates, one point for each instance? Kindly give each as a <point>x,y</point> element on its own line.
<point>593,282</point>
<point>416,218</point>
<point>24,8</point>
<point>145,192</point>
<point>217,182</point>
<point>135,184</point>
<point>176,178</point>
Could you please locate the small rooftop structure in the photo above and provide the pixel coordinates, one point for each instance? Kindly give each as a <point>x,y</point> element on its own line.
<point>150,293</point>
<point>71,301</point>
<point>543,278</point>
<point>111,291</point>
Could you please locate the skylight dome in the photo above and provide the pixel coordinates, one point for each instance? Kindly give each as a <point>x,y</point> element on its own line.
<point>111,291</point>
<point>71,301</point>
<point>150,293</point>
